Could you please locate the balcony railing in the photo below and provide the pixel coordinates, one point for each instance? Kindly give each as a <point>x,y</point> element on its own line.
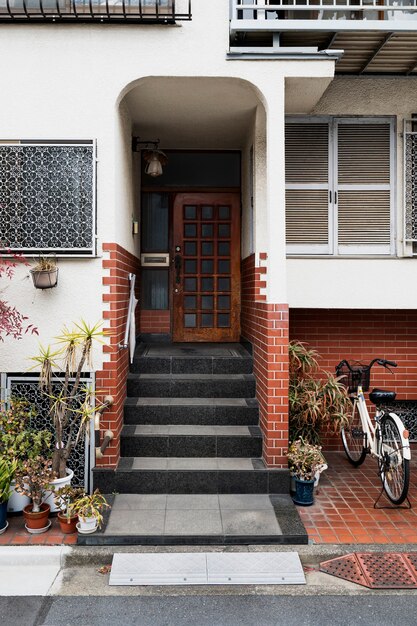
<point>281,15</point>
<point>101,11</point>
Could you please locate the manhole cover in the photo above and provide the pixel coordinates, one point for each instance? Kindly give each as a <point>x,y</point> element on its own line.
<point>376,570</point>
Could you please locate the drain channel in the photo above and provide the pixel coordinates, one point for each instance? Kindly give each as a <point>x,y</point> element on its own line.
<point>376,570</point>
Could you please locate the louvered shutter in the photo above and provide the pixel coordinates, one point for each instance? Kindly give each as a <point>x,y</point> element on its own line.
<point>307,187</point>
<point>364,188</point>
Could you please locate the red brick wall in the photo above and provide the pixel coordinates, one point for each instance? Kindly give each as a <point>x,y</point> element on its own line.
<point>155,322</point>
<point>112,379</point>
<point>362,335</point>
<point>266,327</point>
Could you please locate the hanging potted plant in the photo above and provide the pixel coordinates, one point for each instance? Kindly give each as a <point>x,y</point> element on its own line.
<point>20,441</point>
<point>304,460</point>
<point>89,508</point>
<point>33,480</point>
<point>65,499</point>
<point>45,273</point>
<point>71,401</point>
<point>7,472</point>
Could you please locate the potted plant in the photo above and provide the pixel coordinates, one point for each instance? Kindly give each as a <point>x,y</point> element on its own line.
<point>33,479</point>
<point>7,472</point>
<point>20,441</point>
<point>304,460</point>
<point>318,401</point>
<point>45,273</point>
<point>89,508</point>
<point>71,401</point>
<point>65,499</point>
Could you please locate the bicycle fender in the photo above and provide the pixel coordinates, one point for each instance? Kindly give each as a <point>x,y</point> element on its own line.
<point>405,442</point>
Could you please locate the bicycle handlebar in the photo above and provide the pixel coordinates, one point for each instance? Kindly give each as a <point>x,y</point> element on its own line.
<point>382,362</point>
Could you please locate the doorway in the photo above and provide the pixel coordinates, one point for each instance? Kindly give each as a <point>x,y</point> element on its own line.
<point>205,278</point>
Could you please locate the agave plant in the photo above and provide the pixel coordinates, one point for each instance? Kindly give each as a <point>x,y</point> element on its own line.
<point>71,402</point>
<point>318,401</point>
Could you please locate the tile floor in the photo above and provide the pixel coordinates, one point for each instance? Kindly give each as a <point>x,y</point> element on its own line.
<point>344,512</point>
<point>16,534</point>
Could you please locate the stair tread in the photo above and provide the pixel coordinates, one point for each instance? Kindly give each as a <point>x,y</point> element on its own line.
<point>193,463</point>
<point>191,430</point>
<point>192,350</point>
<point>213,377</point>
<point>236,402</point>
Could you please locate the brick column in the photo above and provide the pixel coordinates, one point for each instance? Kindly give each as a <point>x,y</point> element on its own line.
<point>117,265</point>
<point>266,327</point>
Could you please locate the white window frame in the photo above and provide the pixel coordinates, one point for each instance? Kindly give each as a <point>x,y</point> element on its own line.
<point>332,248</point>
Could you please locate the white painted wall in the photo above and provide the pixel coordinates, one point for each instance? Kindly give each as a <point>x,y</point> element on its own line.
<point>67,81</point>
<point>362,283</point>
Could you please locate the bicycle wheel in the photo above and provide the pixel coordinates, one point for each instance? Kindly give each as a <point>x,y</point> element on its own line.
<point>394,469</point>
<point>353,438</point>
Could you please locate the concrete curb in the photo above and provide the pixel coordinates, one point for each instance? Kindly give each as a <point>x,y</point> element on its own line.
<point>313,555</point>
<point>21,556</point>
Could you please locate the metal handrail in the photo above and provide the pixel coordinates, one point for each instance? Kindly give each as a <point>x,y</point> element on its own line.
<point>130,311</point>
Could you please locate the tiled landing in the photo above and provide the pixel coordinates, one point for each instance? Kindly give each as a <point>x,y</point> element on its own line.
<point>170,519</point>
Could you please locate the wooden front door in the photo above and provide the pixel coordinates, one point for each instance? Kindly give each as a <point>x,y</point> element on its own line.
<point>206,273</point>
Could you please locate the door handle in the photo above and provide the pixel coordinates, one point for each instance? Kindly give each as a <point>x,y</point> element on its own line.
<point>178,265</point>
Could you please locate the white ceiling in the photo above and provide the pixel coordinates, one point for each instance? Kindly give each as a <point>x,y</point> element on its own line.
<point>193,113</point>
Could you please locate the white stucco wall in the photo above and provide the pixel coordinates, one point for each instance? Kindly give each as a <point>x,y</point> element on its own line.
<point>67,81</point>
<point>362,283</point>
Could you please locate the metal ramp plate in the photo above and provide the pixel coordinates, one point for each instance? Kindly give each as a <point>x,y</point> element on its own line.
<point>207,568</point>
<point>255,568</point>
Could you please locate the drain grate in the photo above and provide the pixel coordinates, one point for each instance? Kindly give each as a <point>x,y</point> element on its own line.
<point>376,570</point>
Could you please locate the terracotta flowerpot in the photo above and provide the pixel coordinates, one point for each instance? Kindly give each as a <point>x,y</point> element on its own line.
<point>68,525</point>
<point>36,520</point>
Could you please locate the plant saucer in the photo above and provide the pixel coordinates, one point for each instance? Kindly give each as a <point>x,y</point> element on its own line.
<point>38,531</point>
<point>86,532</point>
<point>3,530</point>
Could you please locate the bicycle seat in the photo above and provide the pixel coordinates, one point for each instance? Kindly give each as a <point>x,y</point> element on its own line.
<point>379,396</point>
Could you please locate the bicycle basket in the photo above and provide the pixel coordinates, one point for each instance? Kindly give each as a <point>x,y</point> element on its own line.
<point>359,376</point>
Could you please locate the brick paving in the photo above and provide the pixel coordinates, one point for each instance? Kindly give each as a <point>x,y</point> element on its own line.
<point>16,534</point>
<point>344,512</point>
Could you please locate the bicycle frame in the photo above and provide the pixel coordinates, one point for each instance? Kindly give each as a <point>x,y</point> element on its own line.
<point>370,429</point>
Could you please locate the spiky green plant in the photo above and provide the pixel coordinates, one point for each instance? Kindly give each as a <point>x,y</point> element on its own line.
<point>71,402</point>
<point>318,401</point>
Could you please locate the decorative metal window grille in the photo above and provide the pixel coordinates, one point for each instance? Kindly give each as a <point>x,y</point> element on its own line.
<point>47,198</point>
<point>27,388</point>
<point>107,11</point>
<point>410,180</point>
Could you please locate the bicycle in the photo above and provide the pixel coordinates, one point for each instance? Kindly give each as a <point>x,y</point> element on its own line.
<point>386,439</point>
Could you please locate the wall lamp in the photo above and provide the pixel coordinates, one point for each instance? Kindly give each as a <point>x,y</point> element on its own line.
<point>153,156</point>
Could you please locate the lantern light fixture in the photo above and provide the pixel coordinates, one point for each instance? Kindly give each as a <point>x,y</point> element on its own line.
<point>153,156</point>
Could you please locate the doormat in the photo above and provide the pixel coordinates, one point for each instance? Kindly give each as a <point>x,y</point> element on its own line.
<point>207,568</point>
<point>376,570</point>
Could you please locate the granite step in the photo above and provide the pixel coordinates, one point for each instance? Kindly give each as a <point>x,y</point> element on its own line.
<point>158,475</point>
<point>199,519</point>
<point>191,441</point>
<point>192,411</point>
<point>192,359</point>
<point>191,385</point>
